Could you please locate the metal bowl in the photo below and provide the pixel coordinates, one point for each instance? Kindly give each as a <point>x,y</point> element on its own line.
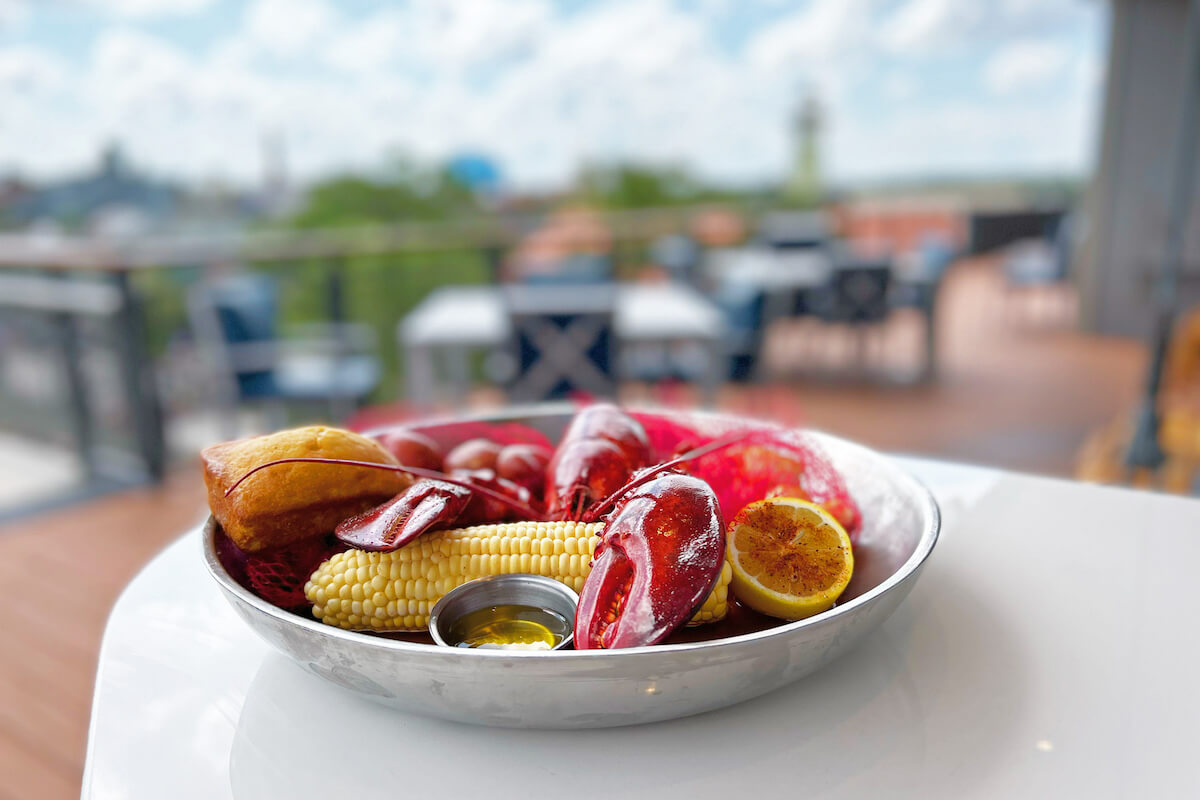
<point>515,587</point>
<point>605,688</point>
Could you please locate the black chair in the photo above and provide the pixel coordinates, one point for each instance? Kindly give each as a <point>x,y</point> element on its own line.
<point>235,322</point>
<point>918,289</point>
<point>563,342</point>
<point>856,296</point>
<point>744,309</point>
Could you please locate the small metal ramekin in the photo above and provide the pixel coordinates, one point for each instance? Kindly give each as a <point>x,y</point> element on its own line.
<point>512,589</point>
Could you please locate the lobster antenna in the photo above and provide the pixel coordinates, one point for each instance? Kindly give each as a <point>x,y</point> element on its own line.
<point>420,472</point>
<point>595,511</point>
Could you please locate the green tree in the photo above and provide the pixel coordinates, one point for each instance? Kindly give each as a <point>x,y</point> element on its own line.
<point>407,194</point>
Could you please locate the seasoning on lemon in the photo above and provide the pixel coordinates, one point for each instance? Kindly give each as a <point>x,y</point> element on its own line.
<point>791,558</point>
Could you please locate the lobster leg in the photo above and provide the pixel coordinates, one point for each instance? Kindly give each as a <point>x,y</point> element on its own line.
<point>660,554</point>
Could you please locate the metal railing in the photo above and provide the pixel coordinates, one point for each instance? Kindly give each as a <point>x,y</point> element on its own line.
<point>35,272</point>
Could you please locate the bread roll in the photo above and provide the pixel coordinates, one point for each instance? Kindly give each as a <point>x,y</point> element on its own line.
<point>291,502</point>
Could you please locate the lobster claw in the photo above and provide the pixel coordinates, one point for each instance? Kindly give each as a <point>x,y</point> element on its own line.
<point>423,506</point>
<point>600,449</point>
<point>661,552</point>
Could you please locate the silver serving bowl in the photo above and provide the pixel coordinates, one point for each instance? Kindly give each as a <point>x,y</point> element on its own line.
<point>605,688</point>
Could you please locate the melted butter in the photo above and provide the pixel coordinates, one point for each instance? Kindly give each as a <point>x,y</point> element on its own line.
<point>516,626</point>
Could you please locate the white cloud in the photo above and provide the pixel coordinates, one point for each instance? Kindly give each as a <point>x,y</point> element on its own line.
<point>442,35</point>
<point>922,27</point>
<point>979,139</point>
<point>823,31</point>
<point>544,90</point>
<point>373,44</point>
<point>14,14</point>
<point>289,27</point>
<point>1025,64</point>
<point>30,72</point>
<point>144,9</point>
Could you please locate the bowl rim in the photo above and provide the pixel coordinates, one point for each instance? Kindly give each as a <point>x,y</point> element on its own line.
<point>907,570</point>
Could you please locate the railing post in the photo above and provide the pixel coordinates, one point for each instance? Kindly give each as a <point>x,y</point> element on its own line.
<point>493,256</point>
<point>335,284</point>
<point>77,393</point>
<point>139,378</point>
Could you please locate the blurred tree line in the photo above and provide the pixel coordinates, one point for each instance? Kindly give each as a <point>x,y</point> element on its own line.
<point>619,187</point>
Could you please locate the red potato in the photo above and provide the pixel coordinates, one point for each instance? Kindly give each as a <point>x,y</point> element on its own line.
<point>525,465</point>
<point>412,449</point>
<point>473,454</point>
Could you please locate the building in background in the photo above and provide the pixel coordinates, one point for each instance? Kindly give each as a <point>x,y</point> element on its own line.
<point>115,198</point>
<point>803,187</point>
<point>1126,214</point>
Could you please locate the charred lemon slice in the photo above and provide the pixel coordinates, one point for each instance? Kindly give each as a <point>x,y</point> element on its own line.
<point>791,559</point>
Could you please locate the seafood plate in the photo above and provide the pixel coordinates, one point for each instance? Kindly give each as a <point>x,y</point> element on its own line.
<point>660,630</point>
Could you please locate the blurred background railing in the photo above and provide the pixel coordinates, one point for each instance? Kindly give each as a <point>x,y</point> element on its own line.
<point>131,351</point>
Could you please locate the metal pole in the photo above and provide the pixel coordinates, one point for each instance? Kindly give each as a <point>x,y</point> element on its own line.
<point>335,287</point>
<point>1145,450</point>
<point>77,394</point>
<point>140,383</point>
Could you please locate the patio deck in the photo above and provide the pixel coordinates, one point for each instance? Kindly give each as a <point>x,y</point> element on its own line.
<point>1011,394</point>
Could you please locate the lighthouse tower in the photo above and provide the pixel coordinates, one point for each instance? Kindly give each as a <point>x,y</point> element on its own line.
<point>803,188</point>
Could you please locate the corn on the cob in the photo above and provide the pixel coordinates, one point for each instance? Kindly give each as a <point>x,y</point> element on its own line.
<point>395,591</point>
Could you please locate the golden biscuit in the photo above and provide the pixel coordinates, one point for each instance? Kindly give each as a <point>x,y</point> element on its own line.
<point>290,502</point>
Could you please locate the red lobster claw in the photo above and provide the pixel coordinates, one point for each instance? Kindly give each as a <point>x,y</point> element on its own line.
<point>660,554</point>
<point>466,497</point>
<point>390,526</point>
<point>601,448</point>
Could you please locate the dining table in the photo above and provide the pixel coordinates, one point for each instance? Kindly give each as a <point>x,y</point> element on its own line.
<point>1049,649</point>
<point>454,321</point>
<point>788,278</point>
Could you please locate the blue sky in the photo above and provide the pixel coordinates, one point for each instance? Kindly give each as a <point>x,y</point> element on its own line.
<point>909,87</point>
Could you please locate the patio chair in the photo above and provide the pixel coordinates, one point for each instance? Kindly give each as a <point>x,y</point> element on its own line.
<point>857,297</point>
<point>918,288</point>
<point>236,328</point>
<point>563,342</point>
<point>1037,274</point>
<point>679,256</point>
<point>744,309</point>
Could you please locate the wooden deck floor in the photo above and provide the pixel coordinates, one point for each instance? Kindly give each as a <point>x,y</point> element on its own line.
<point>1010,394</point>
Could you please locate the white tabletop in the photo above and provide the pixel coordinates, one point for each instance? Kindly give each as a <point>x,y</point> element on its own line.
<point>474,315</point>
<point>1049,649</point>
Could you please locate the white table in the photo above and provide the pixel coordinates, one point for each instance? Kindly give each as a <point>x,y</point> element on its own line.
<point>458,319</point>
<point>1050,649</point>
